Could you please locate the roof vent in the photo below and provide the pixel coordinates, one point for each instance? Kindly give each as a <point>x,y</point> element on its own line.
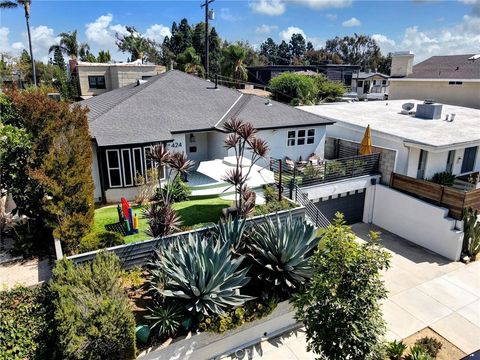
<point>429,110</point>
<point>140,82</point>
<point>268,103</point>
<point>407,108</point>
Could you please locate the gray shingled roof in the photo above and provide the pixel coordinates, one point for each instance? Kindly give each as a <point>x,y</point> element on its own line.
<point>447,67</point>
<point>366,75</point>
<point>175,102</point>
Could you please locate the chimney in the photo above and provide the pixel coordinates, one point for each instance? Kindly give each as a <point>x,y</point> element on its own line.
<point>402,64</point>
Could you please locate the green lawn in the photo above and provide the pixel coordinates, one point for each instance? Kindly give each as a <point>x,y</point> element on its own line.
<point>194,213</point>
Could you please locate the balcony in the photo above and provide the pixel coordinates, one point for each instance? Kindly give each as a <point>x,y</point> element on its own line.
<point>309,173</point>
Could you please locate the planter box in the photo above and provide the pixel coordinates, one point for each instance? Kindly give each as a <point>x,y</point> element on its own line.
<point>208,345</point>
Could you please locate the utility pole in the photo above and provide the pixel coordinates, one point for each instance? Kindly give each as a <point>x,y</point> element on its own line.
<point>207,16</point>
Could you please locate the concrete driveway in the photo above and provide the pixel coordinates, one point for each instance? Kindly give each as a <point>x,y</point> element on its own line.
<point>425,289</point>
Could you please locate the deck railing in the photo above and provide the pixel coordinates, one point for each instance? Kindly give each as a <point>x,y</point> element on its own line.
<point>307,174</point>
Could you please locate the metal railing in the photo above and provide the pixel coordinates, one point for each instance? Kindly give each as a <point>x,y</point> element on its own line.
<point>307,174</point>
<point>312,212</point>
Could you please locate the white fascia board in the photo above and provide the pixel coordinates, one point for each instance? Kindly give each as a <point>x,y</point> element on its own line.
<point>433,80</point>
<point>455,146</point>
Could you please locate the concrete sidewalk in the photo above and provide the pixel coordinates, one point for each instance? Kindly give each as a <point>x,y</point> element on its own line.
<point>25,272</point>
<point>425,289</point>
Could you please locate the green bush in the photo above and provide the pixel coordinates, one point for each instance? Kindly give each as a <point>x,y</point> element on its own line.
<point>443,178</point>
<point>179,190</point>
<point>251,311</point>
<point>418,353</point>
<point>93,315</point>
<point>430,345</point>
<point>395,350</point>
<point>95,241</point>
<point>25,328</point>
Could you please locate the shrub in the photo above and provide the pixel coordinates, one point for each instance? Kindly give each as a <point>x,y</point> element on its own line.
<point>167,319</point>
<point>281,250</point>
<point>25,328</point>
<point>395,350</point>
<point>270,193</point>
<point>294,89</point>
<point>104,239</point>
<point>430,345</point>
<point>417,353</point>
<point>443,178</point>
<point>252,310</point>
<point>340,307</point>
<point>92,312</point>
<point>177,189</point>
<point>202,274</point>
<point>471,236</point>
<point>162,219</point>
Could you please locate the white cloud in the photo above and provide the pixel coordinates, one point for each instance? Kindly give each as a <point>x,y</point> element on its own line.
<point>227,15</point>
<point>463,38</point>
<point>287,33</point>
<point>101,32</point>
<point>351,22</point>
<point>42,38</point>
<point>157,32</point>
<point>475,6</point>
<point>331,17</point>
<point>265,29</point>
<point>323,4</point>
<point>268,7</point>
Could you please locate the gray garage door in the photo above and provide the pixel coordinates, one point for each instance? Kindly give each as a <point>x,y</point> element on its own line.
<point>351,206</point>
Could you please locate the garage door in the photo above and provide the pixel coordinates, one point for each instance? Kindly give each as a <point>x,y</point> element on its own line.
<point>350,205</point>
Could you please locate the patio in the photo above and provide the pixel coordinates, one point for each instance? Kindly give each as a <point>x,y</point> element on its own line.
<point>425,290</point>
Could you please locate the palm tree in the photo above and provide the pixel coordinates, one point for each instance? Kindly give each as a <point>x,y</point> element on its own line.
<point>190,62</point>
<point>233,63</point>
<point>69,45</point>
<point>10,4</point>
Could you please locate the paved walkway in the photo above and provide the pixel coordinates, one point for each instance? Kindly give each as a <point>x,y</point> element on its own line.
<point>28,272</point>
<point>425,289</point>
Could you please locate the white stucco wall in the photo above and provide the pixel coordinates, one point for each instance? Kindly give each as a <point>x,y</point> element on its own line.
<point>200,142</point>
<point>216,149</point>
<point>417,221</point>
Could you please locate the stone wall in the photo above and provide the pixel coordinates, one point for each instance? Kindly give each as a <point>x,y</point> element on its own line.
<point>339,148</point>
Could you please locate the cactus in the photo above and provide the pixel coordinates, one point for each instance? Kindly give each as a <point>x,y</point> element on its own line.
<point>471,229</point>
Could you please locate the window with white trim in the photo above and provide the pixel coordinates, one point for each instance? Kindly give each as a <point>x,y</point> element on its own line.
<point>127,167</point>
<point>138,165</point>
<point>301,137</point>
<point>113,168</point>
<point>150,164</point>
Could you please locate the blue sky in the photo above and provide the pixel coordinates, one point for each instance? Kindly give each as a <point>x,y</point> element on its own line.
<point>424,27</point>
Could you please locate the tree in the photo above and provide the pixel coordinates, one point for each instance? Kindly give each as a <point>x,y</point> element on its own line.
<point>198,40</point>
<point>269,49</point>
<point>294,89</point>
<point>310,46</point>
<point>357,50</point>
<point>104,56</point>
<point>69,45</point>
<point>9,4</point>
<point>134,43</point>
<point>215,47</point>
<point>233,65</point>
<point>190,62</point>
<point>85,54</point>
<point>297,46</point>
<point>284,57</point>
<point>327,91</point>
<point>58,59</point>
<point>181,38</point>
<point>340,308</point>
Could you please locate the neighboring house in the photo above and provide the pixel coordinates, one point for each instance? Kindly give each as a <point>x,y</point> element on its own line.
<point>263,74</point>
<point>370,85</point>
<point>452,79</point>
<point>186,113</point>
<point>97,78</point>
<point>427,139</point>
<point>424,146</point>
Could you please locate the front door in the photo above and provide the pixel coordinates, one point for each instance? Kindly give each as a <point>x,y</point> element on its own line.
<point>469,157</point>
<point>366,87</point>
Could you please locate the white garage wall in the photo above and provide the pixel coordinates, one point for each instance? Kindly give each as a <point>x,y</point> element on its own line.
<point>417,221</point>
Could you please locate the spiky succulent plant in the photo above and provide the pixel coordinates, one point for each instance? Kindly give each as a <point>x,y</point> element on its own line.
<point>168,319</point>
<point>281,249</point>
<point>203,274</point>
<point>231,231</point>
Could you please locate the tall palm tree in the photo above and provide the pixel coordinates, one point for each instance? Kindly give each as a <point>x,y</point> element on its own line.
<point>233,63</point>
<point>10,4</point>
<point>69,45</point>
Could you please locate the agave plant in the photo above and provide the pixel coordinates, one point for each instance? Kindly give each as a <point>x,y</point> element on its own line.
<point>203,274</point>
<point>282,250</point>
<point>168,319</point>
<point>231,231</point>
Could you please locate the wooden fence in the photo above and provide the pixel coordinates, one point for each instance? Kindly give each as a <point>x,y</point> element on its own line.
<point>453,199</point>
<point>140,253</point>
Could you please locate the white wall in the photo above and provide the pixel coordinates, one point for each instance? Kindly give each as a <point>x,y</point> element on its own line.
<point>201,143</point>
<point>216,145</point>
<point>417,221</point>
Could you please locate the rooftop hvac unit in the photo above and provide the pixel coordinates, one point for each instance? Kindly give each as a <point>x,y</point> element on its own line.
<point>429,110</point>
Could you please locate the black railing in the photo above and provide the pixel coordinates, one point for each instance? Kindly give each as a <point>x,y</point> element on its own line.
<point>312,212</point>
<point>288,173</point>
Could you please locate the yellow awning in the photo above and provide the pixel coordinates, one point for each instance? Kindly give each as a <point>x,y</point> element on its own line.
<point>366,144</point>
